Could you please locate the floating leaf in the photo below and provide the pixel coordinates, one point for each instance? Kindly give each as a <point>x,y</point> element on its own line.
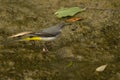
<point>101,68</point>
<point>64,12</point>
<point>20,34</point>
<point>73,19</point>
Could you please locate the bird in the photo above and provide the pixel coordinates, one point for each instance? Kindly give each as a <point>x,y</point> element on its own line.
<point>48,34</point>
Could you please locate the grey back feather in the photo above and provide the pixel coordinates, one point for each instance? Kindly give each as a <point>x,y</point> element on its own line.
<point>54,29</point>
<point>51,31</point>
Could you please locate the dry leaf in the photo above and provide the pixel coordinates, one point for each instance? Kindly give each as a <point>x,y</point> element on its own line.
<point>19,34</point>
<point>73,19</point>
<point>101,68</point>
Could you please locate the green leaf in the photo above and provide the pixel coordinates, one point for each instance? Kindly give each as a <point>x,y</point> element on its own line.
<point>64,12</point>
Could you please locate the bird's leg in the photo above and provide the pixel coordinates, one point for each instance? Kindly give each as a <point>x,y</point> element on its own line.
<point>45,49</point>
<point>32,41</point>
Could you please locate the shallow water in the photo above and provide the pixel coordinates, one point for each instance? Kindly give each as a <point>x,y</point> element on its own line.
<point>80,49</point>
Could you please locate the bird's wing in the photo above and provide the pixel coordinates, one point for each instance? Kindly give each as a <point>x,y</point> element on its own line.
<point>51,31</point>
<point>45,34</point>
